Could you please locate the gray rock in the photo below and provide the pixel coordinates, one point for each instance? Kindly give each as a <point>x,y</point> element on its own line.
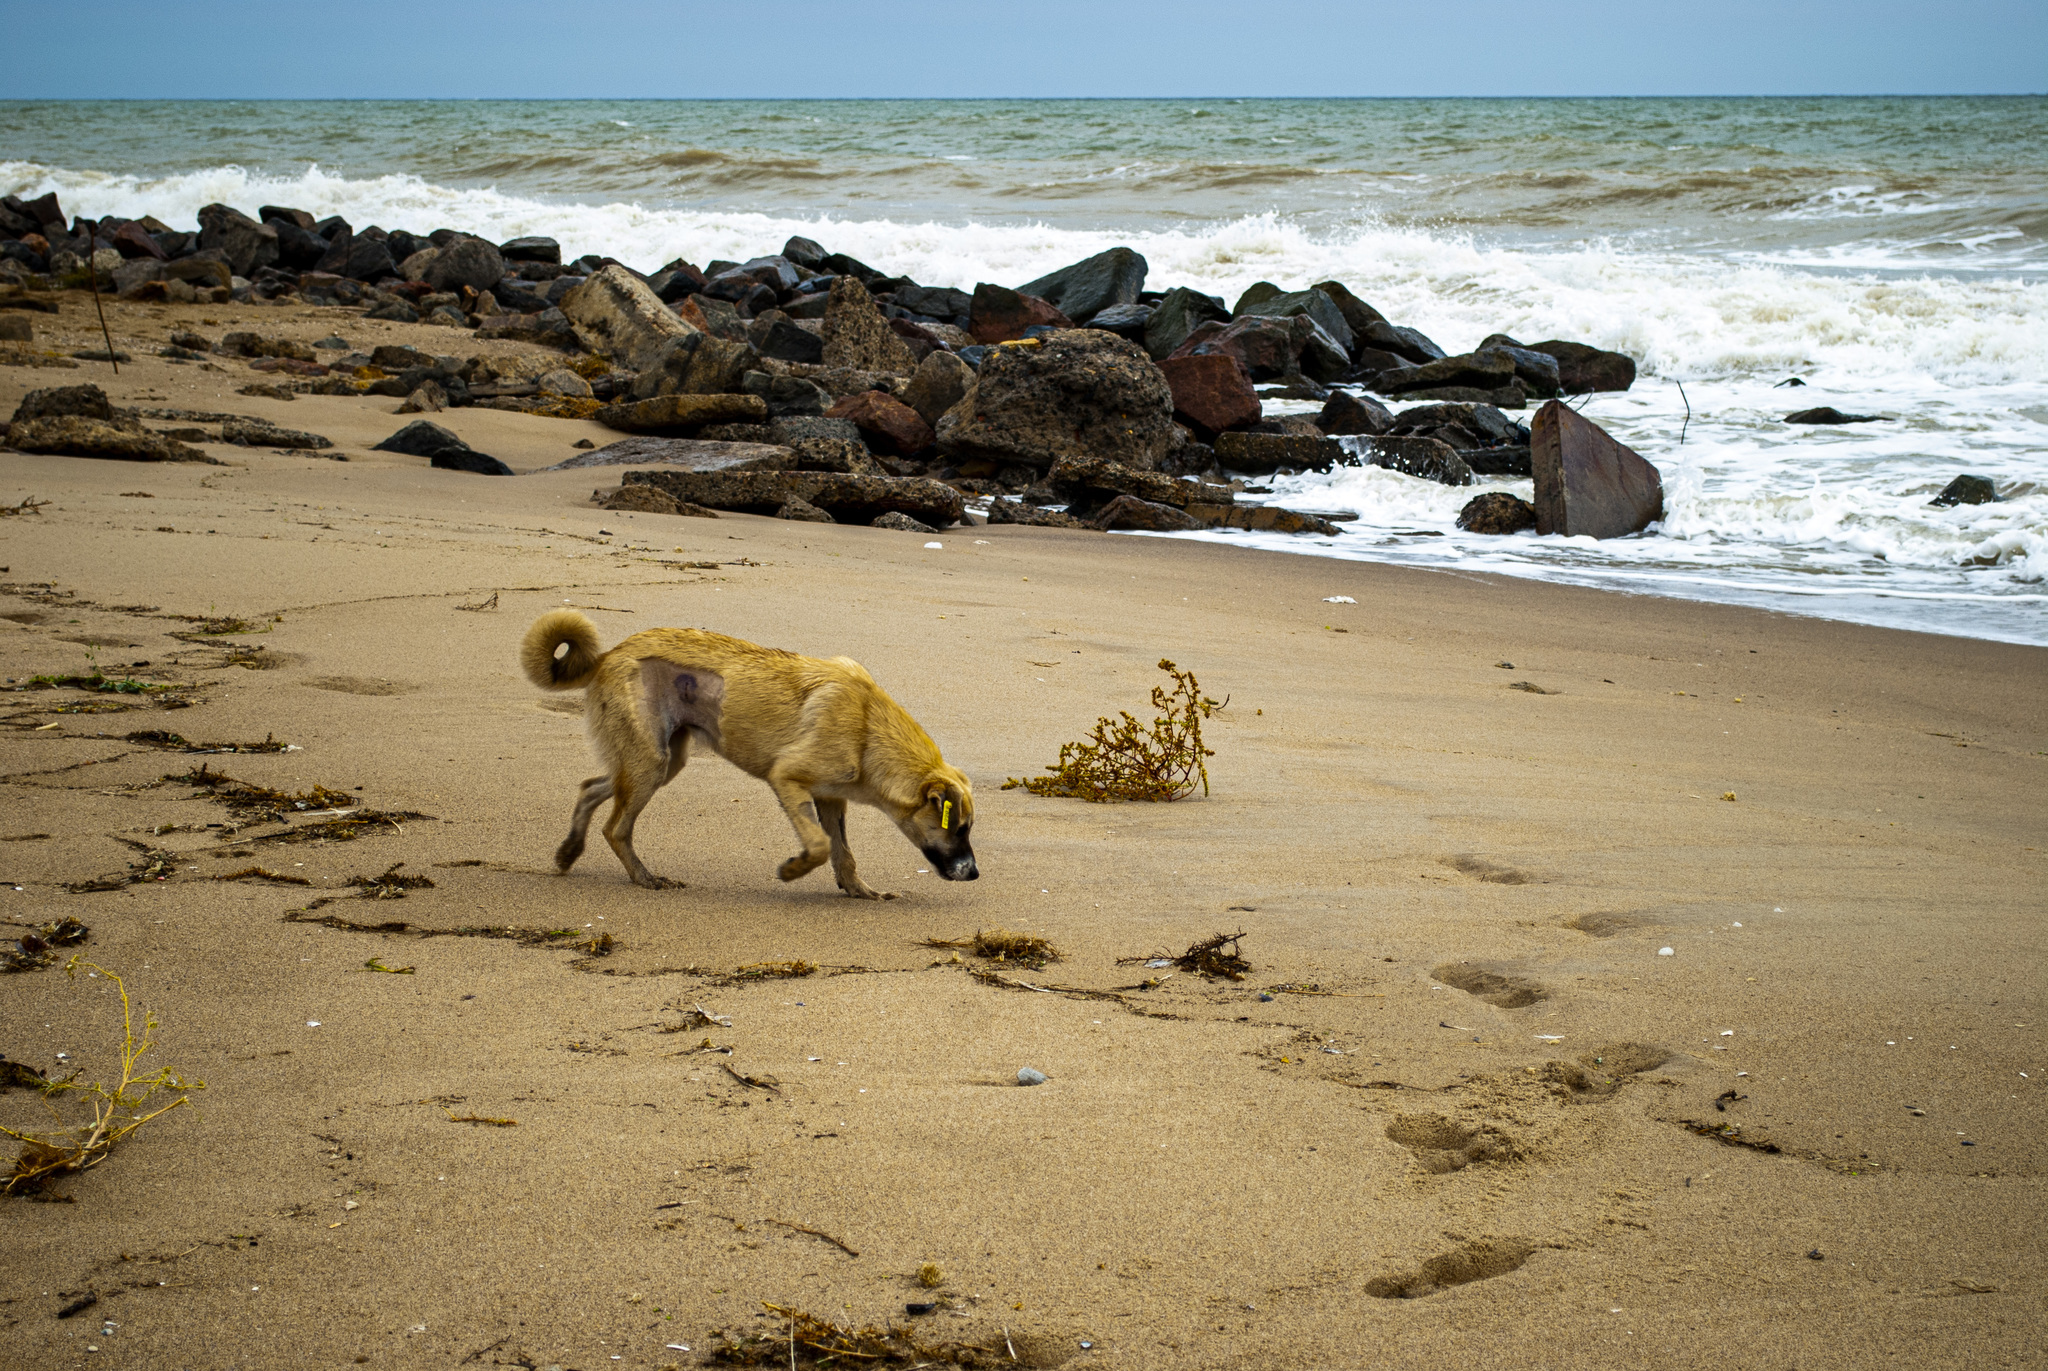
<point>1586,482</point>
<point>243,431</point>
<point>1255,293</point>
<point>787,396</point>
<point>1430,459</point>
<point>1125,321</point>
<point>938,384</point>
<point>1177,314</point>
<point>1261,454</point>
<point>16,327</point>
<point>804,253</point>
<point>533,249</point>
<point>901,523</point>
<point>1357,313</point>
<point>563,381</point>
<point>298,247</point>
<point>550,327</point>
<point>667,414</point>
<point>135,273</point>
<point>934,302</point>
<point>1001,511</point>
<point>1130,512</point>
<point>858,335</point>
<point>787,341</point>
<point>1405,343</point>
<point>1583,368</point>
<point>614,313</point>
<point>1030,1076</point>
<point>849,499</point>
<point>1497,512</point>
<point>1828,414</point>
<point>1484,371</point>
<point>1076,393</point>
<point>249,246</point>
<point>442,449</point>
<point>798,508</point>
<point>1347,413</point>
<point>1087,287</point>
<point>694,364</point>
<point>690,454</point>
<point>72,435</point>
<point>1537,370</point>
<point>1317,306</point>
<point>1966,490</point>
<point>465,262</point>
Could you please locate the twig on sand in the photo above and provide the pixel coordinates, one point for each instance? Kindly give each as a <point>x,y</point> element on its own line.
<point>768,1083</point>
<point>799,1228</point>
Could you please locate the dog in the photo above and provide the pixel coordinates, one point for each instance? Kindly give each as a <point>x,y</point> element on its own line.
<point>820,732</point>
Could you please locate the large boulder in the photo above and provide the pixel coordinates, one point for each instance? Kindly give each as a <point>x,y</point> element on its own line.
<point>1272,348</point>
<point>1211,393</point>
<point>887,423</point>
<point>857,333</point>
<point>788,341</point>
<point>1346,413</point>
<point>1488,371</point>
<point>682,413</point>
<point>1262,454</point>
<point>1538,371</point>
<point>940,382</point>
<point>694,364</point>
<point>690,454</point>
<point>614,313</point>
<point>848,499</point>
<point>133,240</point>
<point>998,314</point>
<point>465,262</point>
<point>1587,484</point>
<point>1313,303</point>
<point>1429,459</point>
<point>934,302</point>
<point>1130,512</point>
<point>1357,313</point>
<point>531,249</point>
<point>1086,288</point>
<point>249,246</point>
<point>86,401</point>
<point>358,257</point>
<point>1076,393</point>
<point>787,396</point>
<point>1264,519</point>
<point>73,435</point>
<point>298,249</point>
<point>442,449</point>
<point>1178,313</point>
<point>1405,343</point>
<point>1966,490</point>
<point>1497,512</point>
<point>1090,481</point>
<point>1582,368</point>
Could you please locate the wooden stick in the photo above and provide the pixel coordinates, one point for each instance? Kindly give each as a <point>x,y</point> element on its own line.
<point>785,1223</point>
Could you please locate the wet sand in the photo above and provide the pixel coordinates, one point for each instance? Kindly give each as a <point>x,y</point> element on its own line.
<point>1460,1068</point>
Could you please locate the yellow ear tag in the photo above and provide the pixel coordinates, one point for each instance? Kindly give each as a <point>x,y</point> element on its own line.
<point>946,814</point>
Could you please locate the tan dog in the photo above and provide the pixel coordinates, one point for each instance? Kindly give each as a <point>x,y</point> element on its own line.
<point>819,732</point>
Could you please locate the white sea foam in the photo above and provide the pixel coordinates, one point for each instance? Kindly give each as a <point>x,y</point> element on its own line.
<point>1756,510</point>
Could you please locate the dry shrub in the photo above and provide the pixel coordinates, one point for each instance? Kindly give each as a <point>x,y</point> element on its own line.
<point>1003,945</point>
<point>115,1113</point>
<point>1125,761</point>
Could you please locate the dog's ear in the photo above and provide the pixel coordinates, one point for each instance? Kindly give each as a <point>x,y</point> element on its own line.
<point>946,799</point>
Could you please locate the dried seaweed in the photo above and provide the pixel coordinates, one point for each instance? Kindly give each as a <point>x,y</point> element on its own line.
<point>31,505</point>
<point>156,865</point>
<point>389,885</point>
<point>37,948</point>
<point>1215,956</point>
<point>768,971</point>
<point>812,1341</point>
<point>1000,944</point>
<point>174,742</point>
<point>115,1113</point>
<point>261,873</point>
<point>249,803</point>
<point>1124,761</point>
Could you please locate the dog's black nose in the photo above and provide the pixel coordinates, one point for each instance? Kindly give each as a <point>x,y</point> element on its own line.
<point>962,870</point>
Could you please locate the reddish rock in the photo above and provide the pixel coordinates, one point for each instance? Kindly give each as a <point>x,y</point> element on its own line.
<point>1264,347</point>
<point>1129,512</point>
<point>1211,393</point>
<point>1496,512</point>
<point>132,240</point>
<point>1582,368</point>
<point>895,426</point>
<point>999,314</point>
<point>923,342</point>
<point>1586,482</point>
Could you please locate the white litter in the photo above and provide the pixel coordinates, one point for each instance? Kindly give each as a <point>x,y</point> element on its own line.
<point>312,1023</point>
<point>1549,1037</point>
<point>1666,952</point>
<point>934,544</point>
<point>1727,1032</point>
<point>1338,600</point>
<point>676,1346</point>
<point>1160,961</point>
<point>1738,925</point>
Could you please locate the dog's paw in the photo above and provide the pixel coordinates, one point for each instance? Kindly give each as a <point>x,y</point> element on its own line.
<point>654,882</point>
<point>798,867</point>
<point>861,890</point>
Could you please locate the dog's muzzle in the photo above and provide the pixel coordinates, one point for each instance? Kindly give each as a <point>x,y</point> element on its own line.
<point>957,869</point>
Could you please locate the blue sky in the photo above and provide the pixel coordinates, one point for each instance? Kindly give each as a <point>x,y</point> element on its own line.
<point>635,48</point>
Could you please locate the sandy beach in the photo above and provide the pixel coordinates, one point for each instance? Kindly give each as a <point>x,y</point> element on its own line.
<point>1633,981</point>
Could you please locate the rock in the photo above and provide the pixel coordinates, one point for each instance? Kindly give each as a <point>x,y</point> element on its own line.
<point>563,381</point>
<point>1430,459</point>
<point>887,422</point>
<point>1090,481</point>
<point>1001,511</point>
<point>1966,490</point>
<point>73,435</point>
<point>249,246</point>
<point>1587,484</point>
<point>16,327</point>
<point>1828,414</point>
<point>1312,303</point>
<point>934,302</point>
<point>998,314</point>
<point>446,316</point>
<point>670,413</point>
<point>849,499</point>
<point>1177,314</point>
<point>1508,460</point>
<point>1261,454</point>
<point>849,456</point>
<point>857,334</point>
<point>796,427</point>
<point>1358,315</point>
<point>1076,393</point>
<point>1129,512</point>
<point>614,313</point>
<point>1582,369</point>
<point>1485,371</point>
<point>1405,343</point>
<point>360,259</point>
<point>642,500</point>
<point>1211,393</point>
<point>1347,413</point>
<point>247,432</point>
<point>201,272</point>
<point>428,397</point>
<point>274,214</point>
<point>1537,370</point>
<point>1497,512</point>
<point>797,507</point>
<point>695,363</point>
<point>804,253</point>
<point>1088,287</point>
<point>923,342</point>
<point>1271,347</point>
<point>535,249</point>
<point>691,454</point>
<point>134,275</point>
<point>442,449</point>
<point>787,341</point>
<point>550,327</point>
<point>1263,519</point>
<point>1483,424</point>
<point>465,262</point>
<point>901,523</point>
<point>714,316</point>
<point>1256,293</point>
<point>133,240</point>
<point>938,384</point>
<point>787,396</point>
<point>86,401</point>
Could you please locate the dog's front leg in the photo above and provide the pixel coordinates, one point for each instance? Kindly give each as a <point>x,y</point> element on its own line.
<point>832,814</point>
<point>803,817</point>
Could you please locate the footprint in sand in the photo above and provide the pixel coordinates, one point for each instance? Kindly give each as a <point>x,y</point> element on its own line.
<point>1502,991</point>
<point>1487,871</point>
<point>1442,1145</point>
<point>360,685</point>
<point>1475,1261</point>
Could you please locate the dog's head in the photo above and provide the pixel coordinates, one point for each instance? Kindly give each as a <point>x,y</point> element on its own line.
<point>941,822</point>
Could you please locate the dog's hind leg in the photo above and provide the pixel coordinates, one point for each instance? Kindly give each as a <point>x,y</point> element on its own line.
<point>632,788</point>
<point>832,816</point>
<point>803,817</point>
<point>595,792</point>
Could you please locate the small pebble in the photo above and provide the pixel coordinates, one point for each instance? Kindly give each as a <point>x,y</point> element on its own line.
<point>1815,1255</point>
<point>1265,998</point>
<point>917,1307</point>
<point>1030,1076</point>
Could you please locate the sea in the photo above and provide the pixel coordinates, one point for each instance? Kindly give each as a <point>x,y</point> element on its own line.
<point>1756,256</point>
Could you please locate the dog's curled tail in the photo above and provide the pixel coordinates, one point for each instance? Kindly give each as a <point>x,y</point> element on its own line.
<point>573,669</point>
